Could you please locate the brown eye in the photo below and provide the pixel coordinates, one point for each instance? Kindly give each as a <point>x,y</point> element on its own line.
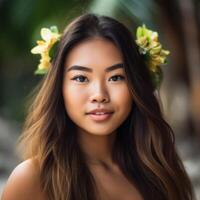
<point>80,78</point>
<point>117,78</point>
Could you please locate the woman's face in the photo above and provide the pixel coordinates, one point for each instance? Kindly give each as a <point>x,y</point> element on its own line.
<point>94,78</point>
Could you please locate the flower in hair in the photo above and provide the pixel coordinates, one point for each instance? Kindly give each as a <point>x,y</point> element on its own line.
<point>147,41</point>
<point>50,37</point>
<point>154,54</point>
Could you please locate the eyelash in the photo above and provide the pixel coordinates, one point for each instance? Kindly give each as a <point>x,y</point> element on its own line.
<point>81,76</point>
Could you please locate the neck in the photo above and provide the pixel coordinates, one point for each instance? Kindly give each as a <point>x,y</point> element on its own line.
<point>97,148</point>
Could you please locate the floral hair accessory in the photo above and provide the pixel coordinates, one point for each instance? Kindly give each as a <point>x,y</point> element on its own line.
<point>50,37</point>
<point>154,55</point>
<point>147,41</point>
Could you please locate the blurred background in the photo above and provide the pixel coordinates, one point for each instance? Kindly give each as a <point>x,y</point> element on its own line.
<point>178,24</point>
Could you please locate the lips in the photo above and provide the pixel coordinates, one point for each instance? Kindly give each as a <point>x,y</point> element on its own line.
<point>100,111</point>
<point>99,115</point>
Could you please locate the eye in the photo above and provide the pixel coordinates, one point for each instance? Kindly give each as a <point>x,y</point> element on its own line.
<point>117,78</point>
<point>81,78</point>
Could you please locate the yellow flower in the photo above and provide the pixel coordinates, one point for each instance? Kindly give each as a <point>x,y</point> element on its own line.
<point>149,45</point>
<point>153,52</point>
<point>50,37</point>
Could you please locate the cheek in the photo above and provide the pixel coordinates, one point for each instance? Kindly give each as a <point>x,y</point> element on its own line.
<point>74,99</point>
<point>126,102</point>
<point>123,100</point>
<point>122,97</point>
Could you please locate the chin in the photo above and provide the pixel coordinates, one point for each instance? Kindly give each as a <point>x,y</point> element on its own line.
<point>99,132</point>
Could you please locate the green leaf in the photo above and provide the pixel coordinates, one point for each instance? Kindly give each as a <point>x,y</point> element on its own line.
<point>139,32</point>
<point>40,71</point>
<point>54,29</point>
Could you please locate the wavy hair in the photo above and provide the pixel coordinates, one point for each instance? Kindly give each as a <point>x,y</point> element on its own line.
<point>144,148</point>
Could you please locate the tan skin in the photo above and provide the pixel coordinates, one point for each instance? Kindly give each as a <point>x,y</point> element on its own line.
<point>98,88</point>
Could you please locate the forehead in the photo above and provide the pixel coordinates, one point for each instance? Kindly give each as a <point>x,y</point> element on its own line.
<point>94,53</point>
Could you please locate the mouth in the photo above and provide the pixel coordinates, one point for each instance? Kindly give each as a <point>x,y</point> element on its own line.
<point>100,116</point>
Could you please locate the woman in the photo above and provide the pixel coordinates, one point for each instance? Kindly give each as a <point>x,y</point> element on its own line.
<point>95,129</point>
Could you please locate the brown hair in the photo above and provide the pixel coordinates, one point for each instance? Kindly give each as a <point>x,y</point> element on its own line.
<point>144,147</point>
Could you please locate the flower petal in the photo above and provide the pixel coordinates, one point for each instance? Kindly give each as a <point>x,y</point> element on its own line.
<point>46,34</point>
<point>37,49</point>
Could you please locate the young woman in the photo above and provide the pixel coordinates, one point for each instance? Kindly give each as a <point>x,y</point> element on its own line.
<point>95,130</point>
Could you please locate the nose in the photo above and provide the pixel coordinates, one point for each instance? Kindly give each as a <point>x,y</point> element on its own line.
<point>99,94</point>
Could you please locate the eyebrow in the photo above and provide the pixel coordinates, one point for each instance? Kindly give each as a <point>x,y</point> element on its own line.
<point>87,69</point>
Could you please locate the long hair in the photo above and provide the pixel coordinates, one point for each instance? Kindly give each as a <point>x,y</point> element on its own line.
<point>144,148</point>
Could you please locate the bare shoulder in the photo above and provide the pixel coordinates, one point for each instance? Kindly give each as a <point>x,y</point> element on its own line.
<point>24,182</point>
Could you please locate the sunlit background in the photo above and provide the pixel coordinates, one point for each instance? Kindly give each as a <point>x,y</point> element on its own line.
<point>178,24</point>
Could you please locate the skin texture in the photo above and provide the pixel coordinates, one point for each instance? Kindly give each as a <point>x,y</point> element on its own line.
<point>23,183</point>
<point>97,89</point>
